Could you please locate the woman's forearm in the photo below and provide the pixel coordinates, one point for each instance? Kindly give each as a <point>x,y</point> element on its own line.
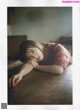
<point>26,68</point>
<point>50,68</point>
<point>14,64</point>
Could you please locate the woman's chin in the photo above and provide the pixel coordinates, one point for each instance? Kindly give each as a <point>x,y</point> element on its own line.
<point>40,59</point>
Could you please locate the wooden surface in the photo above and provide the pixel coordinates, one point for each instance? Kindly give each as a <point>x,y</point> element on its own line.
<point>42,88</point>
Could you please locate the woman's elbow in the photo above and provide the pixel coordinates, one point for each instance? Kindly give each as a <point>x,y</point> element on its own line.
<point>58,70</point>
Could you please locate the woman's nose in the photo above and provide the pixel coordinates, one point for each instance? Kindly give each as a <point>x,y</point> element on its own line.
<point>34,56</point>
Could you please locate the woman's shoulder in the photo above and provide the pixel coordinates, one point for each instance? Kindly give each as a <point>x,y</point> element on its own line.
<point>52,44</point>
<point>56,46</point>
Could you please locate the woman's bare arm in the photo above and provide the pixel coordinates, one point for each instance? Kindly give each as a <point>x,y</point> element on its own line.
<point>26,68</point>
<point>50,68</point>
<point>14,64</point>
<point>15,79</point>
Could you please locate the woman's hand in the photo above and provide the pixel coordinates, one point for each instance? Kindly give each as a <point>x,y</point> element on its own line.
<point>34,63</point>
<point>14,80</point>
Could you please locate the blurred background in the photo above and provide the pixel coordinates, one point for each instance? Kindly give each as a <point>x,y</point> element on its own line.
<point>40,23</point>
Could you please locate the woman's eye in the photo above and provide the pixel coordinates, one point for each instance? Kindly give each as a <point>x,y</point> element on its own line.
<point>32,51</point>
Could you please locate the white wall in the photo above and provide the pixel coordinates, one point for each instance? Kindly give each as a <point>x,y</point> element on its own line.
<point>53,23</point>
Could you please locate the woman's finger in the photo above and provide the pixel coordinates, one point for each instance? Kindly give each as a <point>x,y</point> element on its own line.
<point>13,81</point>
<point>10,80</point>
<point>16,82</point>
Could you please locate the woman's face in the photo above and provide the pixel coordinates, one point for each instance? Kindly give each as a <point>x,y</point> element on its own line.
<point>34,54</point>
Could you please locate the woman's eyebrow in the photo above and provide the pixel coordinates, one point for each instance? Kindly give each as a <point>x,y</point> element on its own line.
<point>29,50</point>
<point>28,55</point>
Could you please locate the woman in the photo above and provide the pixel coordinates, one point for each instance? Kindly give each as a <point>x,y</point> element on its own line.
<point>51,57</point>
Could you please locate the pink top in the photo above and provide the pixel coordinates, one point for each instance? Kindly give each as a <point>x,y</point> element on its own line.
<point>62,55</point>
